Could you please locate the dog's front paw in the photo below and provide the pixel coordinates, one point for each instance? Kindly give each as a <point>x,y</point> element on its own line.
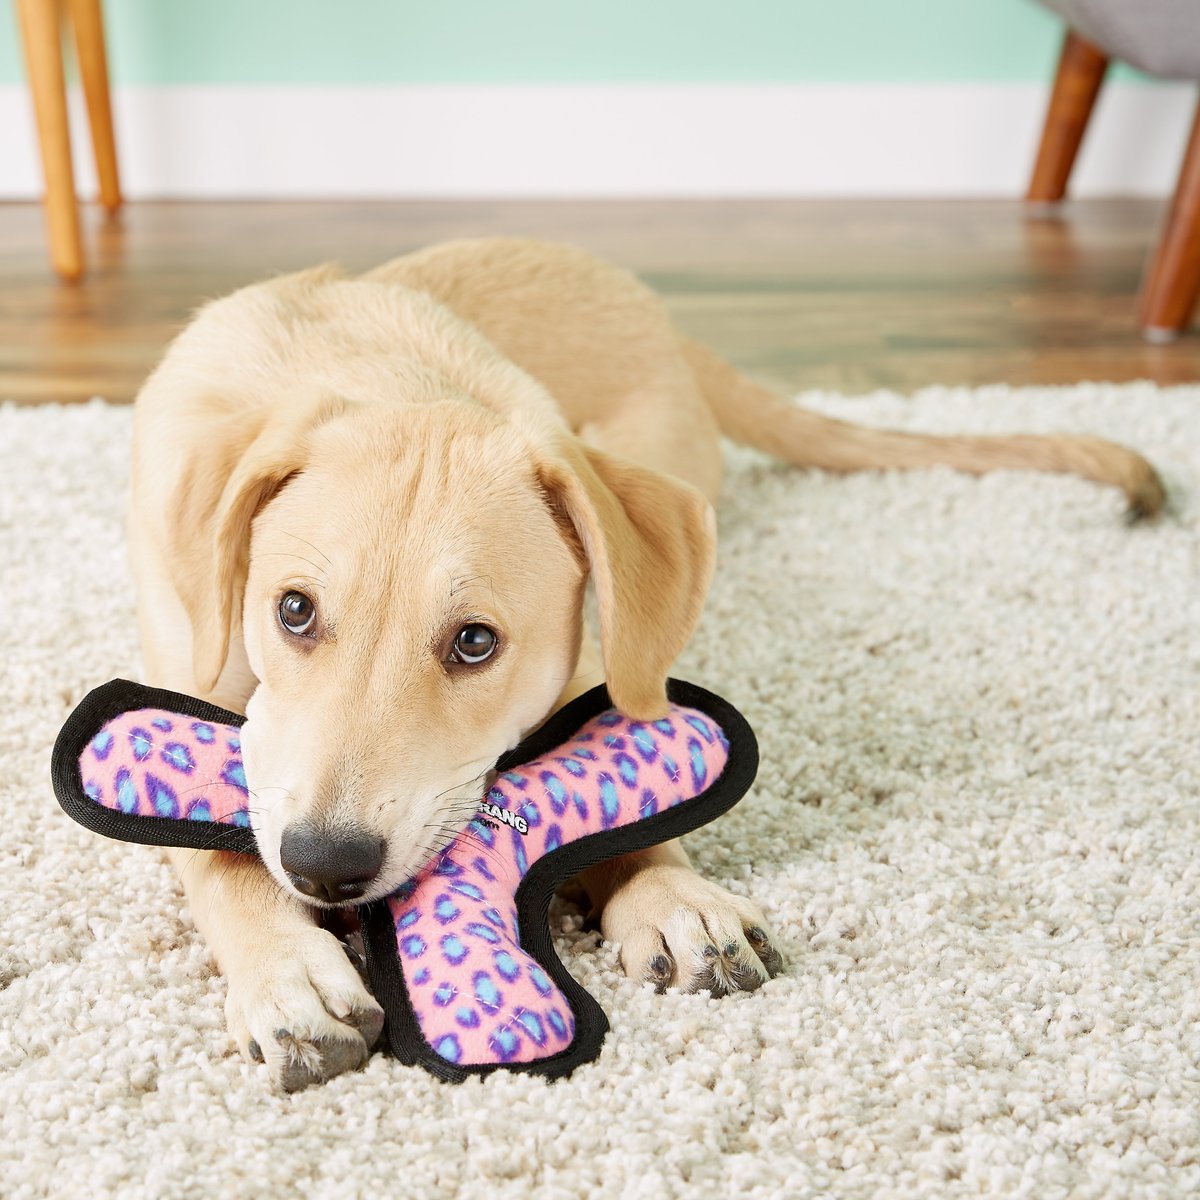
<point>678,930</point>
<point>301,1008</point>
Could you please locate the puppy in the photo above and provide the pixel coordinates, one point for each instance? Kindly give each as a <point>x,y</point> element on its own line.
<point>364,512</point>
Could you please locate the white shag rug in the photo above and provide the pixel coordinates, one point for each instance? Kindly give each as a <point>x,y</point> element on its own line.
<point>976,833</point>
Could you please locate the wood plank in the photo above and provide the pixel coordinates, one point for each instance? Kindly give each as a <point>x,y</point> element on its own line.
<point>849,295</point>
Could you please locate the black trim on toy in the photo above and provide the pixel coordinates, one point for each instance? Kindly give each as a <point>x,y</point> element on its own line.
<point>533,894</point>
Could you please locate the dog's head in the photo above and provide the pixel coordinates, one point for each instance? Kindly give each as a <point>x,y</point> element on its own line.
<point>408,580</point>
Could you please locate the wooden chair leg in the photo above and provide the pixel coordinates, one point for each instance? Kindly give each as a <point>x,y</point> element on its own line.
<point>41,32</point>
<point>1081,68</point>
<point>88,24</point>
<point>1171,284</point>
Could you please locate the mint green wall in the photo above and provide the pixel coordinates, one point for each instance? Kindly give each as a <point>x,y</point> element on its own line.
<point>583,41</point>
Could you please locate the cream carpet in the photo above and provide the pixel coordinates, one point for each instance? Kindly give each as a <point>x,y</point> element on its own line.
<point>976,833</point>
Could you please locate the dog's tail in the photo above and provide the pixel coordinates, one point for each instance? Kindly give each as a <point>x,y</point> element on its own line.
<point>750,414</point>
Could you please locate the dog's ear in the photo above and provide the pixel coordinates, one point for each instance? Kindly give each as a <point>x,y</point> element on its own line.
<point>243,460</point>
<point>649,541</point>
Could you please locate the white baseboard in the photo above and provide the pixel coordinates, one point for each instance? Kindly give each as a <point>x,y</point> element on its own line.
<point>614,140</point>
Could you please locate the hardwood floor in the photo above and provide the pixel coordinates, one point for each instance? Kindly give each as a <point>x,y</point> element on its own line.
<point>850,295</point>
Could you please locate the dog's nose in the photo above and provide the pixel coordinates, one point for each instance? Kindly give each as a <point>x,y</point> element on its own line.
<point>330,866</point>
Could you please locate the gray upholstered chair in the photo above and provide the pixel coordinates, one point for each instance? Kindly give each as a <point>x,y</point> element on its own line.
<point>1161,37</point>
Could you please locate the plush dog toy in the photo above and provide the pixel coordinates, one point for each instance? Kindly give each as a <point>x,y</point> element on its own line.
<point>460,957</point>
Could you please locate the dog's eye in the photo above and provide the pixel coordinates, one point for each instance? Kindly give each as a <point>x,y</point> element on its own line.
<point>473,644</point>
<point>297,613</point>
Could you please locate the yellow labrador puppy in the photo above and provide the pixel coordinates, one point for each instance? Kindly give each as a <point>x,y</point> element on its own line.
<point>364,511</point>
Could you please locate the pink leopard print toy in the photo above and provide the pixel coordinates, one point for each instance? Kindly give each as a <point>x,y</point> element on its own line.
<point>460,957</point>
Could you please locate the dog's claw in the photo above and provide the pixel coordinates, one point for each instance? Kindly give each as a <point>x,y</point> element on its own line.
<point>659,971</point>
<point>767,954</point>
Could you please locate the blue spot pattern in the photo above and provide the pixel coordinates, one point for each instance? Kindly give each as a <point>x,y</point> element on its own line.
<point>483,832</point>
<point>610,804</point>
<point>555,792</point>
<point>413,946</point>
<point>449,1048</point>
<point>127,800</point>
<point>643,743</point>
<point>506,965</point>
<point>628,784</point>
<point>486,992</point>
<point>177,755</point>
<point>102,744</point>
<point>234,774</point>
<point>161,796</point>
<point>453,949</point>
<point>627,769</point>
<point>699,768</point>
<point>504,1044</point>
<point>532,1024</point>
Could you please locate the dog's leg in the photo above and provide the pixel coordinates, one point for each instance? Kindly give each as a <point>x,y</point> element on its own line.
<point>676,929</point>
<point>294,1000</point>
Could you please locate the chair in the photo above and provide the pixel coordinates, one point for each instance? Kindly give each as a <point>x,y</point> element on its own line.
<point>1161,37</point>
<point>41,32</point>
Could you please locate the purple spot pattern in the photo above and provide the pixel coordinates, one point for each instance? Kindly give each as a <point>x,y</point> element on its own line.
<point>482,996</point>
<point>479,998</point>
<point>127,763</point>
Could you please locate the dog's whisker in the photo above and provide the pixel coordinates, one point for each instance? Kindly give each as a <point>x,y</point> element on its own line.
<point>314,549</point>
<point>320,582</point>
